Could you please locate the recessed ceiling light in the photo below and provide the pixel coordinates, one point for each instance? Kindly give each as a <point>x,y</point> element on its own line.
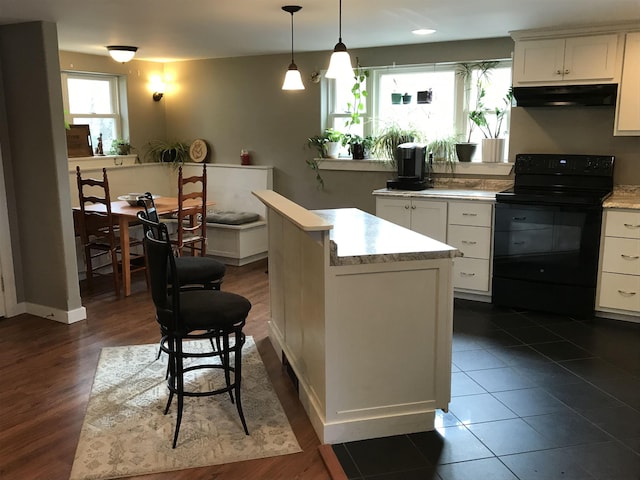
<point>423,31</point>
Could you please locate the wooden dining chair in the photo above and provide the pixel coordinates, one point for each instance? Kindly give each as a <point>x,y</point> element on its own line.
<point>192,211</point>
<point>99,232</point>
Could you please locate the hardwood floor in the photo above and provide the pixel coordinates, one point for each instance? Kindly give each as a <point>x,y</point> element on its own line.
<point>47,370</point>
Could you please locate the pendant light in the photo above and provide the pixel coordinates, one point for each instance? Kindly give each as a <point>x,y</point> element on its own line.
<point>292,80</point>
<point>340,63</point>
<point>122,53</point>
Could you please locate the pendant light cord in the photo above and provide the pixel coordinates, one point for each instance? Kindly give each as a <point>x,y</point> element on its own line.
<point>340,23</point>
<point>292,38</point>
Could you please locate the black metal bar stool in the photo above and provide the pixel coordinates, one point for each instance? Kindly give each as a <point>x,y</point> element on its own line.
<point>195,314</point>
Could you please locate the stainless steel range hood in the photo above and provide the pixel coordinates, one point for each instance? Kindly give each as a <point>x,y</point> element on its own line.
<point>566,95</point>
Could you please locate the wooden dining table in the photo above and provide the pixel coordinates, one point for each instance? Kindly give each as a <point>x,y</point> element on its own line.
<point>127,215</point>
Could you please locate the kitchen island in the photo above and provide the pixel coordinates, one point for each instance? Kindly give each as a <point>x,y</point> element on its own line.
<point>361,313</point>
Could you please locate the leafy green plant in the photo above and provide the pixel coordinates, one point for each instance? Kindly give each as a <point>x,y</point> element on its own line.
<point>120,146</point>
<point>444,151</point>
<point>174,152</point>
<point>319,142</point>
<point>358,143</point>
<point>480,116</point>
<point>356,107</point>
<point>390,137</point>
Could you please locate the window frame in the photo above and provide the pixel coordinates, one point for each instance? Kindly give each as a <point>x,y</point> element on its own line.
<point>369,119</point>
<point>115,90</point>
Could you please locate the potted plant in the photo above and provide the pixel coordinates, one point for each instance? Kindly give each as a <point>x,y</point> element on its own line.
<point>167,151</point>
<point>356,107</point>
<point>120,146</point>
<point>490,122</point>
<point>359,146</point>
<point>466,150</point>
<point>444,151</point>
<point>389,138</point>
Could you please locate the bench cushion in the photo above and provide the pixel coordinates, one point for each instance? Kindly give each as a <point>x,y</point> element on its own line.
<point>232,218</point>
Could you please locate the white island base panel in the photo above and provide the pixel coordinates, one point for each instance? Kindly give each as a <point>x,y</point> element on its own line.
<point>362,310</point>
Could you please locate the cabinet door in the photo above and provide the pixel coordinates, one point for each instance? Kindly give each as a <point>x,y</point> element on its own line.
<point>429,218</point>
<point>538,61</point>
<point>621,292</point>
<point>396,210</point>
<point>592,58</point>
<point>628,105</point>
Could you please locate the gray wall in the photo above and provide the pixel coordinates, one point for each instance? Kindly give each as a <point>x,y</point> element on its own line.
<point>35,163</point>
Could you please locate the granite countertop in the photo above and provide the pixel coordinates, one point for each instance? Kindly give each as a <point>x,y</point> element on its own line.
<point>460,189</point>
<point>358,238</point>
<point>624,196</point>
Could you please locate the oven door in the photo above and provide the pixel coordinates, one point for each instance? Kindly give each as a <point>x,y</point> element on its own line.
<point>551,251</point>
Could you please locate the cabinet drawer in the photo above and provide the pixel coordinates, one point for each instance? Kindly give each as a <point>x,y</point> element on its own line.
<point>470,213</point>
<point>622,224</point>
<point>620,291</point>
<point>621,255</point>
<point>474,242</point>
<point>471,274</point>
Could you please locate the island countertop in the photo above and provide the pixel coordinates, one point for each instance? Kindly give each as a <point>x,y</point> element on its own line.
<point>358,237</point>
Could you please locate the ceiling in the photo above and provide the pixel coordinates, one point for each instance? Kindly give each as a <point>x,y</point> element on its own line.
<point>166,30</point>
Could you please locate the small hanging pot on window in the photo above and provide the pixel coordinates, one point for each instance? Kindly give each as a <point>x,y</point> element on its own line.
<point>396,98</point>
<point>425,96</point>
<point>406,98</point>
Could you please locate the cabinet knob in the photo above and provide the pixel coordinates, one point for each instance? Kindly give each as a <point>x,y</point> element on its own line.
<point>406,207</point>
<point>558,72</point>
<point>566,71</point>
<point>413,207</point>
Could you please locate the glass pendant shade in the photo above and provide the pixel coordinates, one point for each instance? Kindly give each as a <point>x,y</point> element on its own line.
<point>340,64</point>
<point>122,53</point>
<point>293,79</point>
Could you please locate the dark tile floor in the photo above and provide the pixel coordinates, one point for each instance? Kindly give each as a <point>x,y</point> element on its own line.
<point>534,396</point>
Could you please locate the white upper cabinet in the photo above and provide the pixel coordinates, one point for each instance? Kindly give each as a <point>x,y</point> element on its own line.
<point>628,105</point>
<point>571,60</point>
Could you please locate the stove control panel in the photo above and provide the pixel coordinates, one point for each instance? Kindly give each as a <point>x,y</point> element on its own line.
<point>556,164</point>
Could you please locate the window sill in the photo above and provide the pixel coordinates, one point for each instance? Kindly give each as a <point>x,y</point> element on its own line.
<point>463,168</point>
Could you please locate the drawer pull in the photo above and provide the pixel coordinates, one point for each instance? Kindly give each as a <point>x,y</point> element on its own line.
<point>465,274</point>
<point>631,225</point>
<point>519,243</point>
<point>469,242</point>
<point>629,257</point>
<point>519,219</point>
<point>466,214</point>
<point>626,294</point>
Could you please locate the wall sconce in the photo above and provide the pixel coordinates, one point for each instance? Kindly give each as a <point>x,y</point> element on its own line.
<point>122,53</point>
<point>157,87</point>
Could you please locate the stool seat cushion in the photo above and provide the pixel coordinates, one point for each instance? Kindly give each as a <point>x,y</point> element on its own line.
<point>212,309</point>
<point>232,218</point>
<point>198,270</point>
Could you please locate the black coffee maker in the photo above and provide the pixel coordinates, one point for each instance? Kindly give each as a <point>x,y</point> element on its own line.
<point>413,171</point>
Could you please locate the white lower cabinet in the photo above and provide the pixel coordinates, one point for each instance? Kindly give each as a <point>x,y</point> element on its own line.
<point>464,224</point>
<point>469,230</point>
<point>619,279</point>
<point>428,217</point>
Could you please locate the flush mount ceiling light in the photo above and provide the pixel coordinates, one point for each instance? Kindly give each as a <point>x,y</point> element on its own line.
<point>292,80</point>
<point>122,53</point>
<point>423,31</point>
<point>340,63</point>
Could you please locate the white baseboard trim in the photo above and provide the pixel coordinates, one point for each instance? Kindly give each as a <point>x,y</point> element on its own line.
<point>61,316</point>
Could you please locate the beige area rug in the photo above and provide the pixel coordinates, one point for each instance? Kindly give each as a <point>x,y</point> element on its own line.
<point>125,432</point>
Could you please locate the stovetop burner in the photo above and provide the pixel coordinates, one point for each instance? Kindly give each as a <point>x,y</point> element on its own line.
<point>560,179</point>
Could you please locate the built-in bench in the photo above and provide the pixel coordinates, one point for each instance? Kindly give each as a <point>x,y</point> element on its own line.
<point>236,224</point>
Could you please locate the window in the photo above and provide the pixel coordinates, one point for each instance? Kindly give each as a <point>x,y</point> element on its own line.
<point>452,96</point>
<point>93,99</point>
